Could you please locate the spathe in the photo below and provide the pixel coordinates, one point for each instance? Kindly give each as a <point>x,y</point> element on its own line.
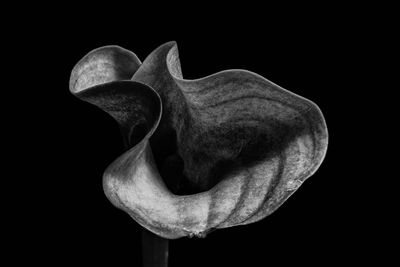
<point>245,143</point>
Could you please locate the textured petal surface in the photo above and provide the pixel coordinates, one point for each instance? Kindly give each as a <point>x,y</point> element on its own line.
<point>102,65</point>
<point>135,106</point>
<point>243,144</point>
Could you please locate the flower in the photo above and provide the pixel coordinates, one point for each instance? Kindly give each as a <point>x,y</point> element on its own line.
<point>224,150</point>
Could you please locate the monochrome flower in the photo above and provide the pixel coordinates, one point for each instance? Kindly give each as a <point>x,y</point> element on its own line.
<point>224,150</point>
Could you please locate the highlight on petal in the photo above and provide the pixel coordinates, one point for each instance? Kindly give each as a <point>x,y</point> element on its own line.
<point>102,65</point>
<point>228,150</point>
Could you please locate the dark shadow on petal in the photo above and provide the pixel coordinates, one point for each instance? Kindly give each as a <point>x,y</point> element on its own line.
<point>213,155</point>
<point>138,132</point>
<point>220,124</point>
<point>135,106</point>
<point>169,163</point>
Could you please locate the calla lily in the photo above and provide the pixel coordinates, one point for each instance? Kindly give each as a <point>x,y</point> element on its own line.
<point>224,150</point>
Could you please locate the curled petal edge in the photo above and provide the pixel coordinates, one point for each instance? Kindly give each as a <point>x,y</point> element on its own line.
<point>133,183</point>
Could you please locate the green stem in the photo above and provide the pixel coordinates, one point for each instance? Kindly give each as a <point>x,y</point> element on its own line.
<point>154,249</point>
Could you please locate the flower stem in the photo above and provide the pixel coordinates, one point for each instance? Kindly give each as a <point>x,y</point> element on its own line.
<point>154,249</point>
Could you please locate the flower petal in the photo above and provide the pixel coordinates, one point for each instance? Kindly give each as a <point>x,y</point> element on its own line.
<point>246,144</point>
<point>102,65</point>
<point>249,140</point>
<point>254,128</point>
<point>135,106</point>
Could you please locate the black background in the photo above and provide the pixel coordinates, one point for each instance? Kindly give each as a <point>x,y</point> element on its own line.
<point>72,221</point>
